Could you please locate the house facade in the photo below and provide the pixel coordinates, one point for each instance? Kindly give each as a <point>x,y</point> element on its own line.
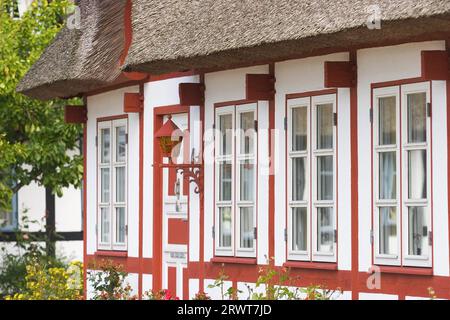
<point>323,149</point>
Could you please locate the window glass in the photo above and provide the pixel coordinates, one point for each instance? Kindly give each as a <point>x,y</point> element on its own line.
<point>225,181</point>
<point>120,144</point>
<point>325,125</point>
<point>299,129</point>
<point>299,225</point>
<point>105,225</point>
<point>299,179</point>
<point>388,175</point>
<point>247,230</point>
<point>225,227</point>
<point>247,132</point>
<point>388,231</point>
<point>120,184</point>
<point>226,134</point>
<point>418,231</point>
<point>325,229</point>
<point>387,121</point>
<point>417,174</point>
<point>417,117</point>
<point>247,172</point>
<point>106,145</point>
<point>105,181</point>
<point>120,225</point>
<point>325,178</point>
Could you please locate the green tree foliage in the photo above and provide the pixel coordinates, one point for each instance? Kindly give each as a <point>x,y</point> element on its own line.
<point>34,140</point>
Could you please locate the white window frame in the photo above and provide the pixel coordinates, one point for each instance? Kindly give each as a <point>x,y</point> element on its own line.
<point>402,258</point>
<point>298,254</point>
<point>235,158</point>
<point>112,244</point>
<point>311,202</point>
<point>385,259</point>
<point>410,260</point>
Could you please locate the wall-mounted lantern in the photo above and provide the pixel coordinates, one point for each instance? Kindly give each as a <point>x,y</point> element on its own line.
<point>169,136</point>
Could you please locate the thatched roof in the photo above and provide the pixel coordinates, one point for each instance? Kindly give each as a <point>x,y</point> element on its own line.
<point>174,35</point>
<point>179,35</point>
<point>80,60</point>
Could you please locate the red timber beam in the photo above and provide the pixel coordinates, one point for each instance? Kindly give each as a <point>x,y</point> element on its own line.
<point>354,174</point>
<point>447,45</point>
<point>75,114</point>
<point>340,74</point>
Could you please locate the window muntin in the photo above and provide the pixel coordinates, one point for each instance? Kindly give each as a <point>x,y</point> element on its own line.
<point>112,168</point>
<point>311,202</point>
<point>236,180</point>
<point>401,140</point>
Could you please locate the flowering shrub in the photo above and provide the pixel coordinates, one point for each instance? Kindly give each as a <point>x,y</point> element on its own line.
<point>109,282</point>
<point>45,282</point>
<point>231,293</point>
<point>201,296</point>
<point>159,295</point>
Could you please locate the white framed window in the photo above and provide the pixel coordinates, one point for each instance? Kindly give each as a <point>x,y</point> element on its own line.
<point>402,171</point>
<point>236,180</point>
<point>112,184</point>
<point>311,178</point>
<point>9,218</point>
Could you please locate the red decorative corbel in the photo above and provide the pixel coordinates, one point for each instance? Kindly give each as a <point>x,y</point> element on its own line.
<point>339,74</point>
<point>133,103</point>
<point>260,87</point>
<point>75,114</point>
<point>191,94</point>
<point>435,65</point>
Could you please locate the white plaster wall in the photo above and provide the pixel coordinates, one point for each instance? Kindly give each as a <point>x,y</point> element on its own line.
<point>226,86</point>
<point>147,282</point>
<point>377,296</point>
<point>156,94</point>
<point>105,105</point>
<point>215,292</point>
<point>193,288</point>
<point>298,76</point>
<point>389,64</point>
<point>31,203</point>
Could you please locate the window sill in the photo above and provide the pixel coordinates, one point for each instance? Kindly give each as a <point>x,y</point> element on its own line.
<point>311,265</point>
<point>234,260</point>
<point>113,254</point>
<point>407,270</point>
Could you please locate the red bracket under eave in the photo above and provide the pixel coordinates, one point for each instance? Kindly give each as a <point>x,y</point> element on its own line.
<point>133,103</point>
<point>435,65</point>
<point>191,94</point>
<point>260,87</point>
<point>339,74</point>
<point>75,114</point>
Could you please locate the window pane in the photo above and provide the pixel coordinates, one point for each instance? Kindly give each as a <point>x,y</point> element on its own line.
<point>247,132</point>
<point>225,179</point>
<point>120,184</point>
<point>120,144</point>
<point>325,178</point>
<point>299,129</point>
<point>418,231</point>
<point>299,229</point>
<point>417,117</point>
<point>226,133</point>
<point>388,175</point>
<point>417,174</point>
<point>298,179</point>
<point>325,230</point>
<point>225,227</point>
<point>6,219</point>
<point>105,225</point>
<point>105,185</point>
<point>325,126</point>
<point>387,121</point>
<point>106,145</point>
<point>388,230</point>
<point>120,225</point>
<point>247,230</point>
<point>247,172</point>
